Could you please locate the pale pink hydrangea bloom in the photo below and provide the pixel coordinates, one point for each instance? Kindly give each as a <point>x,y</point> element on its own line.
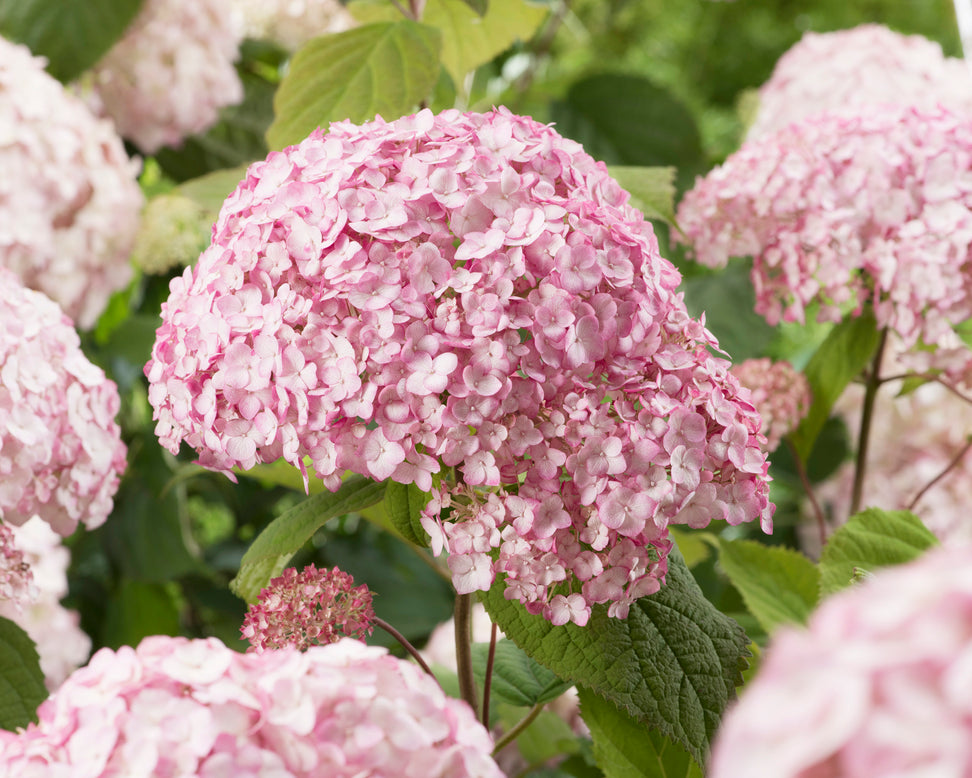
<point>171,72</point>
<point>291,23</point>
<point>17,588</point>
<point>60,449</point>
<point>69,199</point>
<point>468,291</point>
<point>183,707</point>
<point>780,394</point>
<point>855,70</point>
<point>879,684</point>
<point>62,644</point>
<point>847,211</point>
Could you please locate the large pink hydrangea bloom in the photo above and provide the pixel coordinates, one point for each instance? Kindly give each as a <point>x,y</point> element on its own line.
<point>178,707</point>
<point>171,72</point>
<point>60,449</point>
<point>780,393</point>
<point>878,685</point>
<point>69,199</point>
<point>468,291</point>
<point>860,68</point>
<point>845,211</point>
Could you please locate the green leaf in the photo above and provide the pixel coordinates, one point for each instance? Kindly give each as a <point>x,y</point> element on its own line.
<point>21,680</point>
<point>137,610</point>
<point>517,679</point>
<point>652,189</point>
<point>386,68</point>
<point>625,748</point>
<point>282,473</point>
<point>212,189</point>
<point>871,539</point>
<point>778,585</point>
<point>72,34</point>
<point>479,6</point>
<point>283,537</point>
<point>403,506</point>
<point>673,664</point>
<point>840,359</point>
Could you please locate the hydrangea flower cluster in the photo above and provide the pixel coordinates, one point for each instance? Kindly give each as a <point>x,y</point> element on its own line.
<point>174,706</point>
<point>17,587</point>
<point>310,608</point>
<point>291,23</point>
<point>860,68</point>
<point>467,291</point>
<point>171,72</point>
<point>69,199</point>
<point>780,394</point>
<point>60,449</point>
<point>62,644</point>
<point>175,230</point>
<point>879,683</point>
<point>846,211</point>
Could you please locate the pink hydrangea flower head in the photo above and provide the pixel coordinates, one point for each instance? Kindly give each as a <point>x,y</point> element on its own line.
<point>310,608</point>
<point>878,684</point>
<point>174,706</point>
<point>843,211</point>
<point>171,72</point>
<point>69,198</point>
<point>467,291</point>
<point>17,587</point>
<point>60,449</point>
<point>856,70</point>
<point>780,394</point>
<point>291,23</point>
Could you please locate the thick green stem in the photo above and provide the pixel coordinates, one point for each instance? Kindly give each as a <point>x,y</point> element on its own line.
<point>463,619</point>
<point>871,387</point>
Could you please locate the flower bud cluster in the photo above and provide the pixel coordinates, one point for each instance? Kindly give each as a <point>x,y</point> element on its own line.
<point>780,394</point>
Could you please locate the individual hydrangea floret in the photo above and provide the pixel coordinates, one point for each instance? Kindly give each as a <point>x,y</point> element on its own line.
<point>310,608</point>
<point>848,211</point>
<point>854,71</point>
<point>877,685</point>
<point>60,449</point>
<point>465,295</point>
<point>17,588</point>
<point>291,23</point>
<point>171,72</point>
<point>780,394</point>
<point>69,198</point>
<point>175,230</point>
<point>178,707</point>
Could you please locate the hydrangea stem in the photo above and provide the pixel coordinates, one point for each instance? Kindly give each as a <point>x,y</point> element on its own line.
<point>872,385</point>
<point>404,642</point>
<point>514,733</point>
<point>808,489</point>
<point>945,471</point>
<point>463,620</point>
<point>488,683</point>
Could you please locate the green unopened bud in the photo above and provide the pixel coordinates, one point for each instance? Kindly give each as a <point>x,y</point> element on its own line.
<point>174,231</point>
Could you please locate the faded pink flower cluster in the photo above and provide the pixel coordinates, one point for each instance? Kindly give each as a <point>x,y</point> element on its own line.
<point>780,394</point>
<point>62,644</point>
<point>17,587</point>
<point>310,608</point>
<point>171,72</point>
<point>176,707</point>
<point>466,291</point>
<point>291,23</point>
<point>856,70</point>
<point>60,449</point>
<point>69,199</point>
<point>878,685</point>
<point>844,211</point>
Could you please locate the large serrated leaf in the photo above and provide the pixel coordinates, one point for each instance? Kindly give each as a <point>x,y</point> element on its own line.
<point>212,189</point>
<point>652,189</point>
<point>840,358</point>
<point>284,536</point>
<point>72,34</point>
<point>21,680</point>
<point>778,585</point>
<point>871,539</point>
<point>673,664</point>
<point>625,748</point>
<point>403,505</point>
<point>517,679</point>
<point>386,68</point>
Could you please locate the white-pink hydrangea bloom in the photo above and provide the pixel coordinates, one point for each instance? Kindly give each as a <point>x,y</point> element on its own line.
<point>844,211</point>
<point>780,394</point>
<point>60,448</point>
<point>291,23</point>
<point>466,291</point>
<point>179,707</point>
<point>17,588</point>
<point>69,198</point>
<point>62,644</point>
<point>171,72</point>
<point>856,70</point>
<point>878,685</point>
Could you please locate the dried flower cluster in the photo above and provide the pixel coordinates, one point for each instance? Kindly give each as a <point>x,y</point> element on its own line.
<point>879,683</point>
<point>60,449</point>
<point>171,72</point>
<point>780,394</point>
<point>291,23</point>
<point>177,707</point>
<point>856,70</point>
<point>310,608</point>
<point>69,199</point>
<point>465,291</point>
